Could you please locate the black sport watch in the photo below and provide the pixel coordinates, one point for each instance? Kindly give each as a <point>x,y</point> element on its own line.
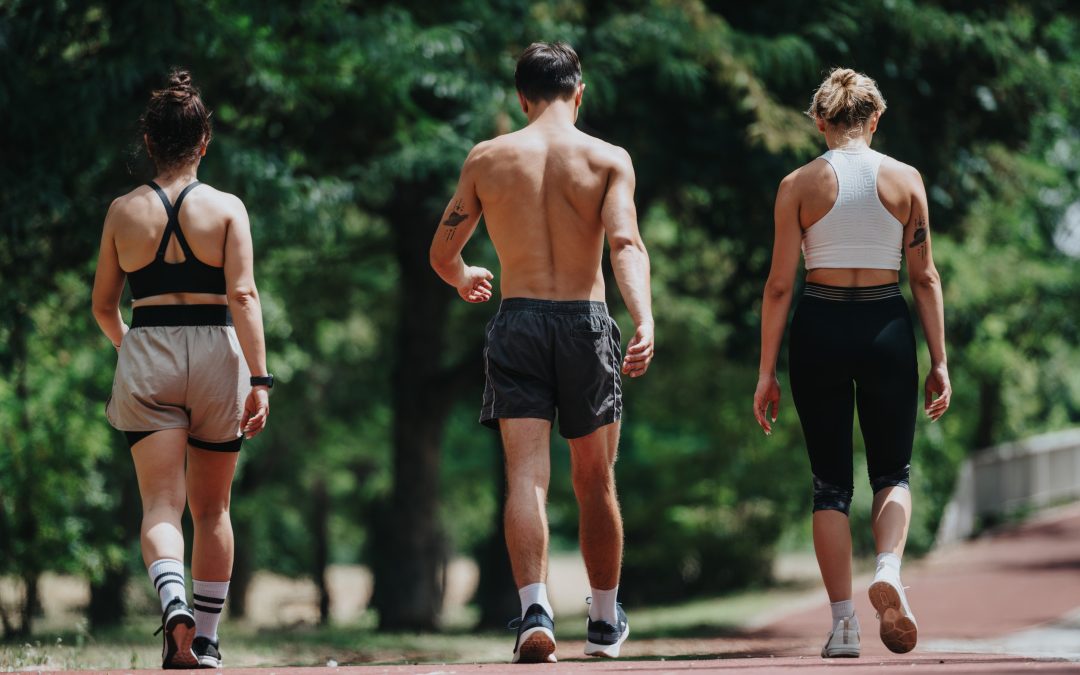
<point>263,381</point>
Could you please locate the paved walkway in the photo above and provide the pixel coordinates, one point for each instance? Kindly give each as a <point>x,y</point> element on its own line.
<point>978,595</point>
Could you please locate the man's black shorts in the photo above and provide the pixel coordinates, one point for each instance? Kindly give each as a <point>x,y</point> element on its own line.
<point>543,356</point>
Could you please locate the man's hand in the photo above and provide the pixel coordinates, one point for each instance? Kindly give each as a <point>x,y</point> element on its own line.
<point>767,394</point>
<point>475,285</point>
<point>256,410</point>
<point>639,353</point>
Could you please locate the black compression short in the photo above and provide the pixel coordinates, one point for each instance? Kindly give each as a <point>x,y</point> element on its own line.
<point>854,348</point>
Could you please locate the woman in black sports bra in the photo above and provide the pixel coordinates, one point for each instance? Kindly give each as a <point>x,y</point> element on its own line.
<point>191,380</point>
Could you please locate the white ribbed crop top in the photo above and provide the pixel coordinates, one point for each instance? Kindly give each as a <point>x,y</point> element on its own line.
<point>858,232</point>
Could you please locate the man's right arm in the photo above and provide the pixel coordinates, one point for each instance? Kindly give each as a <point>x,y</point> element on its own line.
<point>458,224</point>
<point>630,262</point>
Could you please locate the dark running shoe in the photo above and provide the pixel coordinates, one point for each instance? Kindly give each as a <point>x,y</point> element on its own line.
<point>178,624</point>
<point>535,637</point>
<point>603,639</point>
<point>207,652</point>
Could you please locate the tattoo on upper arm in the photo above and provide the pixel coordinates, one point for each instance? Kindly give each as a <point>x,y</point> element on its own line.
<point>919,238</point>
<point>456,217</point>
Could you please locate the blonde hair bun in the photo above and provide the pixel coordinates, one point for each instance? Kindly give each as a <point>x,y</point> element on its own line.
<point>846,98</point>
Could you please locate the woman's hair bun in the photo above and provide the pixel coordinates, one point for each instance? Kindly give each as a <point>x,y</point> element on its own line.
<point>843,77</point>
<point>846,98</point>
<point>179,79</point>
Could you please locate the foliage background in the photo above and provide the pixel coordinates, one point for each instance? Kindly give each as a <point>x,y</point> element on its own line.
<point>342,126</point>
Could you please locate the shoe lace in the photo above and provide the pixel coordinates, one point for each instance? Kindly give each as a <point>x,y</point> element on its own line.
<point>514,623</point>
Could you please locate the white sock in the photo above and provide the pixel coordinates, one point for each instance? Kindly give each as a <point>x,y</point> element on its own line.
<point>208,600</point>
<point>845,609</point>
<point>167,575</point>
<point>888,560</point>
<point>535,594</point>
<point>602,607</point>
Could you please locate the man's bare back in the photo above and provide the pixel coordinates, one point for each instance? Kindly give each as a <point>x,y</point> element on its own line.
<point>542,190</point>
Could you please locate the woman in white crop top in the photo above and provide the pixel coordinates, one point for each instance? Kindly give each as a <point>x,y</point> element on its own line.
<point>854,213</point>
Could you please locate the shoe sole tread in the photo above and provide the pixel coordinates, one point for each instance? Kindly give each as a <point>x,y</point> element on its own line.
<point>898,630</point>
<point>179,634</point>
<point>537,646</point>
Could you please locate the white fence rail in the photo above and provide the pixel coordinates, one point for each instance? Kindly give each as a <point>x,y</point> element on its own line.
<point>1033,472</point>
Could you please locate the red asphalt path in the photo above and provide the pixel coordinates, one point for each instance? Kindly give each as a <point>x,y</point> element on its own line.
<point>1016,580</point>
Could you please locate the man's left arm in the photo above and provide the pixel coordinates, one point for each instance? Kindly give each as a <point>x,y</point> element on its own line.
<point>458,224</point>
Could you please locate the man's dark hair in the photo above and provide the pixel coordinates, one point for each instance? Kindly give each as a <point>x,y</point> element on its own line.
<point>547,71</point>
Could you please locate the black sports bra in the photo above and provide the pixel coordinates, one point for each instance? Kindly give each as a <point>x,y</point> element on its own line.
<point>190,276</point>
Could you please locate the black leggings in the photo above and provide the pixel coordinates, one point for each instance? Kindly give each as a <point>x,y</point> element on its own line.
<point>854,347</point>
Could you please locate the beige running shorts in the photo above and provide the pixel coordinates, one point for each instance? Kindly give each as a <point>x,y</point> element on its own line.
<point>181,367</point>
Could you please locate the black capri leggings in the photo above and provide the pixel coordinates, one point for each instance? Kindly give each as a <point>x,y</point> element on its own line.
<point>854,347</point>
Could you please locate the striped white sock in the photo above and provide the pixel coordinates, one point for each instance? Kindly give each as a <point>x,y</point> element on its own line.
<point>167,575</point>
<point>209,599</point>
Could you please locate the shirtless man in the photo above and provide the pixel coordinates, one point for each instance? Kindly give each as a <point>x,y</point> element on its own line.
<point>550,193</point>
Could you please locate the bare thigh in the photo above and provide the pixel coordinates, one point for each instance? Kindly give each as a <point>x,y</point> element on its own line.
<point>601,447</point>
<point>159,467</point>
<point>209,481</point>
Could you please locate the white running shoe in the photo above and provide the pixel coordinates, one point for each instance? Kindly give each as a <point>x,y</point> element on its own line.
<point>843,641</point>
<point>899,631</point>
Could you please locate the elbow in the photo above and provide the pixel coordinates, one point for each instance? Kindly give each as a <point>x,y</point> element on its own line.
<point>777,290</point>
<point>102,310</point>
<point>623,244</point>
<point>926,280</point>
<point>243,297</point>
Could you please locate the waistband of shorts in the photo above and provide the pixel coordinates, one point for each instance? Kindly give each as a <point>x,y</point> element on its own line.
<point>181,315</point>
<point>852,293</point>
<point>554,306</point>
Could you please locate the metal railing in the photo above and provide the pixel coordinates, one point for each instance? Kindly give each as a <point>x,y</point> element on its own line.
<point>1031,473</point>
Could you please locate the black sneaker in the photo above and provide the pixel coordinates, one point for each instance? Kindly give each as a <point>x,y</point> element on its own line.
<point>178,624</point>
<point>535,637</point>
<point>603,639</point>
<point>207,652</point>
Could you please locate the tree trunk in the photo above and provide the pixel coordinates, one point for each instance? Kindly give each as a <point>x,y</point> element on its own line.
<point>31,604</point>
<point>107,607</point>
<point>320,515</point>
<point>242,571</point>
<point>409,549</point>
<point>107,599</point>
<point>495,594</point>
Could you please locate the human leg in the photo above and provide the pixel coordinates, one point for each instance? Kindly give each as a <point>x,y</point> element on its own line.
<point>209,483</point>
<point>887,398</point>
<point>159,467</point>
<point>526,444</point>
